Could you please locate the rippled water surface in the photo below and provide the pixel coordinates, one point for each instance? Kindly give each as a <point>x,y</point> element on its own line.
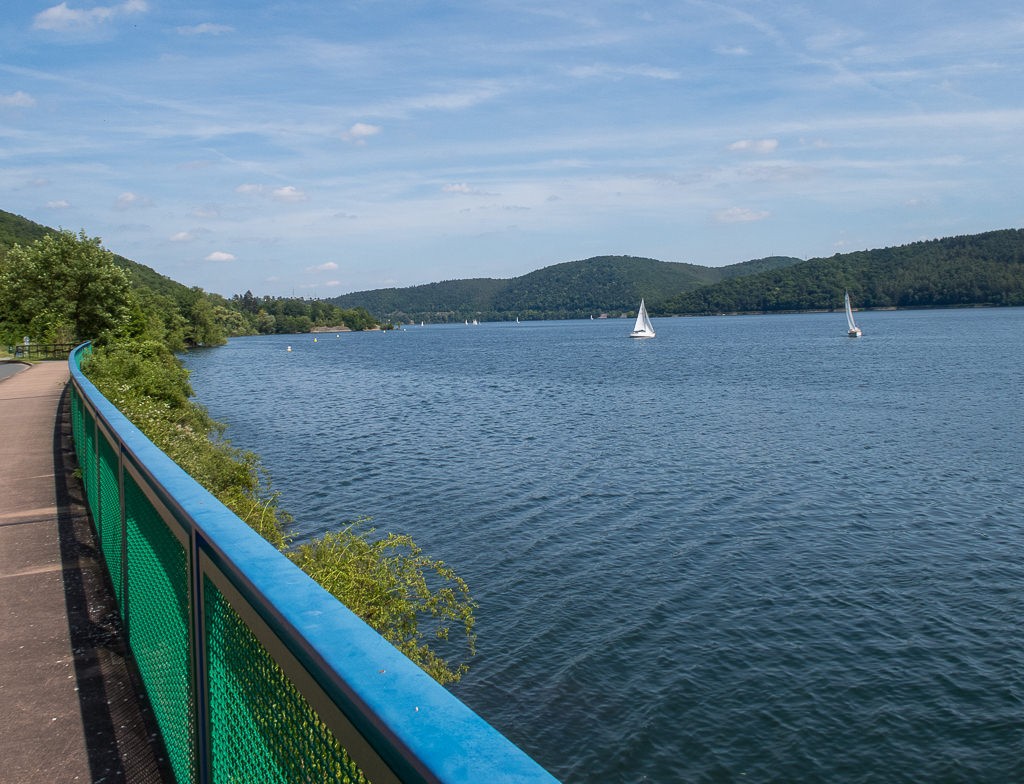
<point>751,549</point>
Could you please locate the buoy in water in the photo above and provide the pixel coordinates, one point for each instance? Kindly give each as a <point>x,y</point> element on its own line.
<point>289,348</point>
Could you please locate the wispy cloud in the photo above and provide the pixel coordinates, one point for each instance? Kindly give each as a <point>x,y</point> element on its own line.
<point>59,204</point>
<point>755,145</point>
<point>620,72</point>
<point>465,188</point>
<point>450,100</point>
<point>128,200</point>
<point>740,215</point>
<point>61,18</point>
<point>285,193</point>
<point>206,28</point>
<point>219,255</point>
<point>289,193</point>
<point>325,267</point>
<point>18,99</point>
<point>360,132</point>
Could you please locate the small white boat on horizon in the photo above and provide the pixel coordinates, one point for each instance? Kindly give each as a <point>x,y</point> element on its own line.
<point>643,327</point>
<point>852,330</point>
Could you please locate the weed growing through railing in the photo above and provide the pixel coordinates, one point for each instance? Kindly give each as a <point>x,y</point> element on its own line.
<point>412,600</point>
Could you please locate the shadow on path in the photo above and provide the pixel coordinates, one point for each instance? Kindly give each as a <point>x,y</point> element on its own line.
<point>121,736</point>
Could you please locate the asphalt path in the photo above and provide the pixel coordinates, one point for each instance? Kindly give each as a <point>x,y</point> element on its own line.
<point>8,369</point>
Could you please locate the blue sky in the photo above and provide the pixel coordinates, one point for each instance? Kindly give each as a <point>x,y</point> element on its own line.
<point>315,148</point>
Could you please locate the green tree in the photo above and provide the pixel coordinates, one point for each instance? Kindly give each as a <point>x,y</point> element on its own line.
<point>62,288</point>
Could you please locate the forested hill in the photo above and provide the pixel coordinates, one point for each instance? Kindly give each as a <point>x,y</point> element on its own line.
<point>972,270</point>
<point>573,289</point>
<point>192,316</point>
<point>15,229</point>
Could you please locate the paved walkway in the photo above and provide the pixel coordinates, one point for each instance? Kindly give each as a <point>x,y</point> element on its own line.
<point>70,708</point>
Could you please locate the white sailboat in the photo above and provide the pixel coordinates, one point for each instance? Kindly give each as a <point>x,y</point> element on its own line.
<point>852,329</point>
<point>642,328</point>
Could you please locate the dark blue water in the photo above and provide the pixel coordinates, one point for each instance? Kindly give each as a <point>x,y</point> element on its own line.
<point>751,549</point>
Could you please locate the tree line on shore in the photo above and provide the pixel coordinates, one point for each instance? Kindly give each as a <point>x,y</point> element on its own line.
<point>962,271</point>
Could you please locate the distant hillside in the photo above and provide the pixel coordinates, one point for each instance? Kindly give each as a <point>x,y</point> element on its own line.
<point>573,289</point>
<point>979,269</point>
<point>193,317</point>
<point>16,230</point>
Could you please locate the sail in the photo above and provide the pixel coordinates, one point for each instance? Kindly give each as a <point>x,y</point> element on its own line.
<point>851,326</point>
<point>643,327</point>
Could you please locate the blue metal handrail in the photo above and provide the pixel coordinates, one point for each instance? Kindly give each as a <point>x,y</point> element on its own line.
<point>391,718</point>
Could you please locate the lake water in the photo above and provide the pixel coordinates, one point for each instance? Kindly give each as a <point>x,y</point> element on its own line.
<point>751,549</point>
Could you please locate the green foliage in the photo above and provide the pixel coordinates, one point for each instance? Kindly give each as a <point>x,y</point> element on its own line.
<point>147,383</point>
<point>290,315</point>
<point>61,289</point>
<point>16,230</point>
<point>412,600</point>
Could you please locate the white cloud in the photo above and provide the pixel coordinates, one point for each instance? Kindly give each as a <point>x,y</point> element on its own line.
<point>182,236</point>
<point>755,145</point>
<point>289,193</point>
<point>127,200</point>
<point>617,72</point>
<point>465,188</point>
<point>60,18</point>
<point>740,215</point>
<point>19,99</point>
<point>219,255</point>
<point>458,187</point>
<point>359,133</point>
<point>325,267</point>
<point>59,204</point>
<point>732,51</point>
<point>206,28</point>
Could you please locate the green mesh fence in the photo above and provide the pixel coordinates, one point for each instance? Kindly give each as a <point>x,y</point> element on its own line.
<point>87,459</point>
<point>159,627</point>
<point>108,518</point>
<point>261,728</point>
<point>77,414</point>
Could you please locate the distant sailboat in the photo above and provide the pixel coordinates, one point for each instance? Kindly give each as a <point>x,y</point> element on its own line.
<point>852,329</point>
<point>642,328</point>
